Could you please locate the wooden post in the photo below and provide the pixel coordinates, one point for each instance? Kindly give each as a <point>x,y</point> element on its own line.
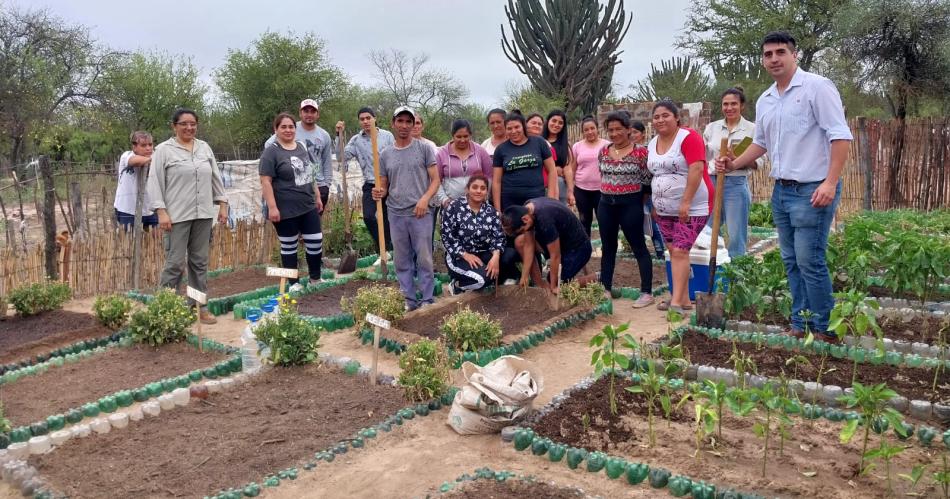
<point>49,218</point>
<point>80,226</point>
<point>375,372</point>
<point>380,222</point>
<point>140,175</point>
<point>284,274</point>
<point>864,163</point>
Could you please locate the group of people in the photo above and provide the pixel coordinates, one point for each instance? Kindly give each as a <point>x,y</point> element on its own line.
<point>511,199</point>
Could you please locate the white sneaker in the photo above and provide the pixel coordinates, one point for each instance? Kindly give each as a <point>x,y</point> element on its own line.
<point>643,301</point>
<point>296,288</point>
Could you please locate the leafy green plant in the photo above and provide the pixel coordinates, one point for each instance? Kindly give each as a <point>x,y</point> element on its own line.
<point>378,299</point>
<point>742,364</point>
<point>885,452</point>
<point>705,420</point>
<point>772,404</point>
<point>587,295</point>
<point>471,331</point>
<point>425,370</point>
<point>165,319</point>
<point>851,316</point>
<point>38,297</point>
<point>715,393</point>
<point>872,400</point>
<point>655,385</point>
<point>112,311</point>
<point>291,339</point>
<point>607,358</point>
<point>5,426</point>
<point>760,215</point>
<point>740,401</point>
<point>942,477</point>
<point>916,473</point>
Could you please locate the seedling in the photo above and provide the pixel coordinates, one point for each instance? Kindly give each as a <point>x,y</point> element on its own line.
<point>742,363</point>
<point>942,477</point>
<point>715,393</point>
<point>606,356</point>
<point>942,343</point>
<point>772,404</point>
<point>872,400</point>
<point>649,386</point>
<point>705,418</point>
<point>914,477</point>
<point>885,452</point>
<point>851,316</point>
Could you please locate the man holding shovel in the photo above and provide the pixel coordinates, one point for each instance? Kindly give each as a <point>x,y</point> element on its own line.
<point>801,124</point>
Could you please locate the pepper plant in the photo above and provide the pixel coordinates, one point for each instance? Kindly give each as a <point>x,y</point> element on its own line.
<point>606,356</point>
<point>705,420</point>
<point>942,477</point>
<point>714,392</point>
<point>742,363</point>
<point>885,452</point>
<point>872,400</point>
<point>851,316</point>
<point>771,404</point>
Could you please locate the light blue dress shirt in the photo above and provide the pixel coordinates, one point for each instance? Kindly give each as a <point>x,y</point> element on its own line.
<point>797,127</point>
<point>360,147</point>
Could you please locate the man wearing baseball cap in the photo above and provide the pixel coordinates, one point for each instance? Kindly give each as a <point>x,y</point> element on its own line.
<point>318,144</point>
<point>409,175</point>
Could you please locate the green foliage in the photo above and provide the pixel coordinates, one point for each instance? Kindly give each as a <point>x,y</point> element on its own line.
<point>606,357</point>
<point>112,311</point>
<point>293,341</point>
<point>757,285</point>
<point>470,331</point>
<point>715,393</point>
<point>165,319</point>
<point>680,79</point>
<point>333,224</point>
<point>523,96</point>
<point>587,295</point>
<point>5,426</point>
<point>852,315</point>
<point>378,299</point>
<point>425,370</point>
<point>38,297</point>
<point>760,215</point>
<point>771,403</point>
<point>655,383</point>
<point>705,419</point>
<point>270,76</point>
<point>885,452</point>
<point>872,400</point>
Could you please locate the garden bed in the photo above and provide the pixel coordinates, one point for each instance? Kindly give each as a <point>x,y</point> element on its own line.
<point>326,303</point>
<point>273,422</point>
<point>502,485</point>
<point>627,273</point>
<point>32,398</point>
<point>24,337</point>
<point>812,464</point>
<point>895,327</point>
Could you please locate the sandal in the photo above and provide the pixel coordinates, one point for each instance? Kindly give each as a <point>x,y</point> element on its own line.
<point>663,306</point>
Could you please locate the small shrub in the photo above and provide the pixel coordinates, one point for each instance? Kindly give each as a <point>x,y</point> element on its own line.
<point>112,311</point>
<point>166,319</point>
<point>470,331</point>
<point>589,295</point>
<point>292,340</point>
<point>425,370</point>
<point>5,426</point>
<point>384,301</point>
<point>38,297</point>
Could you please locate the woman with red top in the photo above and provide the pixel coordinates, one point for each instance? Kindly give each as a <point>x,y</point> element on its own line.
<point>681,193</point>
<point>587,174</point>
<point>624,188</point>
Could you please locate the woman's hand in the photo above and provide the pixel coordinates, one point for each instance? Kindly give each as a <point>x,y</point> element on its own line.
<point>472,260</point>
<point>273,214</point>
<point>164,221</point>
<point>570,199</point>
<point>492,267</point>
<point>560,171</point>
<point>684,211</point>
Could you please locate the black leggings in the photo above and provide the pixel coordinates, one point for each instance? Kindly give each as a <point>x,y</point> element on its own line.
<point>290,230</point>
<point>369,218</point>
<point>586,204</point>
<point>623,212</point>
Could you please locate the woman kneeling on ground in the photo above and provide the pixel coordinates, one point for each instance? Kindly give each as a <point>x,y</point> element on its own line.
<point>293,203</point>
<point>473,238</point>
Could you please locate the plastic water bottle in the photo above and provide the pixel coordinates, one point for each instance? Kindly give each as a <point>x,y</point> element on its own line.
<point>250,362</point>
<point>268,311</point>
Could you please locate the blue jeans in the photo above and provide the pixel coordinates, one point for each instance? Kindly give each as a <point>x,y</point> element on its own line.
<point>412,248</point>
<point>658,246</point>
<point>803,239</point>
<point>126,220</point>
<point>736,201</point>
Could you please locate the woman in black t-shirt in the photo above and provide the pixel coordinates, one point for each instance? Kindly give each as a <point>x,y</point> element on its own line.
<point>293,205</point>
<point>518,163</point>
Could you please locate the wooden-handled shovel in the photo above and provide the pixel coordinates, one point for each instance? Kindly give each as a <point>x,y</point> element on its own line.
<point>348,259</point>
<point>383,270</point>
<point>709,305</point>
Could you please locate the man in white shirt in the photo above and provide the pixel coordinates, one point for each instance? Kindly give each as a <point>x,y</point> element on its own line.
<point>129,168</point>
<point>800,122</point>
<point>318,144</point>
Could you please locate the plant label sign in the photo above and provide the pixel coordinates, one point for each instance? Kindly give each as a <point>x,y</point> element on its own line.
<point>196,295</point>
<point>282,272</point>
<point>377,321</point>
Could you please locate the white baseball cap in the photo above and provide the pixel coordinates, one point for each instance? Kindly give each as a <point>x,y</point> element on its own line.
<point>309,103</point>
<point>405,109</point>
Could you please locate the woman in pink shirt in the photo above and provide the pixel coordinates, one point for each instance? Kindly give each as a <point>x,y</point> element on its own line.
<point>587,173</point>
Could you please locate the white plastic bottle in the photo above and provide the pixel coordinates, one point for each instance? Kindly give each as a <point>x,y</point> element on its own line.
<point>250,362</point>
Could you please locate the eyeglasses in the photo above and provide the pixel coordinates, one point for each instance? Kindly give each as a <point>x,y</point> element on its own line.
<point>187,124</point>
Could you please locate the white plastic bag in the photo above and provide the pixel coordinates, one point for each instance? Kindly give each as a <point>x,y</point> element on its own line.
<point>497,395</point>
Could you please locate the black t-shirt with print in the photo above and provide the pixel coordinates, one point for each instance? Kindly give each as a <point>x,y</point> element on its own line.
<point>292,178</point>
<point>523,166</point>
<point>553,220</point>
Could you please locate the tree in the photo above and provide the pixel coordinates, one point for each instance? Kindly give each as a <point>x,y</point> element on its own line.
<point>143,89</point>
<point>731,31</point>
<point>45,64</point>
<point>750,76</point>
<point>273,75</point>
<point>680,79</point>
<point>523,96</point>
<point>566,48</point>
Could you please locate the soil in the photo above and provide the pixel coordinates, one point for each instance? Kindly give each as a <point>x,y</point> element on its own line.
<point>512,489</point>
<point>122,368</point>
<point>24,337</point>
<point>938,296</point>
<point>627,273</point>
<point>280,417</point>
<point>732,460</point>
<point>327,302</point>
<point>913,383</point>
<point>240,281</point>
<point>514,314</point>
<point>919,329</point>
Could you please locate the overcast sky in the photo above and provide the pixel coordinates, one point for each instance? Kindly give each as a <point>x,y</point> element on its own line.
<point>461,36</point>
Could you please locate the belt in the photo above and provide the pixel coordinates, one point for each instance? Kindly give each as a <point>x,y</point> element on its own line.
<point>794,183</point>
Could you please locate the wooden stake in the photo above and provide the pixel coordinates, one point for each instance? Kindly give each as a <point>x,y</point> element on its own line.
<point>380,222</point>
<point>375,354</point>
<point>198,321</point>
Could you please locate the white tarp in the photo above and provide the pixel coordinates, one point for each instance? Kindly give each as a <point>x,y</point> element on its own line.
<point>242,183</point>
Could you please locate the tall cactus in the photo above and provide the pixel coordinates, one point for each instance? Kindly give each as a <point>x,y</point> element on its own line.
<point>566,48</point>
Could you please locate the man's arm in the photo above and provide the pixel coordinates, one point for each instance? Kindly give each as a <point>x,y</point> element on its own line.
<point>326,160</point>
<point>137,161</point>
<point>554,264</point>
<point>825,193</point>
<point>422,207</point>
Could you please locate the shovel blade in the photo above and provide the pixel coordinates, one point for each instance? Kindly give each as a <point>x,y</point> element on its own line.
<point>709,310</point>
<point>347,263</point>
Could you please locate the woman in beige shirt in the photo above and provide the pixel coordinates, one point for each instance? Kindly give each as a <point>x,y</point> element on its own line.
<point>184,185</point>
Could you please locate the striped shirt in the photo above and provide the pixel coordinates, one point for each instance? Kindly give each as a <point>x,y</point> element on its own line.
<point>627,175</point>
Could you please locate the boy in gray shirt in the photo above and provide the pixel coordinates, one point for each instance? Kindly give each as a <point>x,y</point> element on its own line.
<point>409,175</point>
